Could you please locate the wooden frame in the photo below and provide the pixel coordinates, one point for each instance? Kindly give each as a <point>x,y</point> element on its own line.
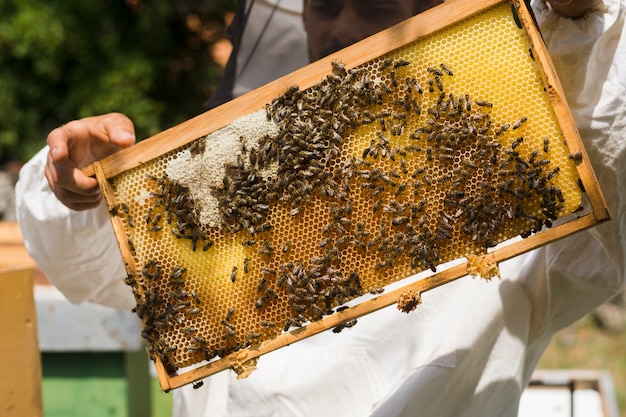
<point>406,32</point>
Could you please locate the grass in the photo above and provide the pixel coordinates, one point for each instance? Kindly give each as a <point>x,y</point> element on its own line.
<point>584,345</point>
<point>161,402</point>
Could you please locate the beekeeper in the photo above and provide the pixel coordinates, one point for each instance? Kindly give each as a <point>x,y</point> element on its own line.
<point>472,347</point>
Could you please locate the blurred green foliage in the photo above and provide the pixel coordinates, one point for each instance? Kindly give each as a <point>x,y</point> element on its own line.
<point>65,59</point>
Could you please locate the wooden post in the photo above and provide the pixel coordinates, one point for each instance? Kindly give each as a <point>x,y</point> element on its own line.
<point>20,362</point>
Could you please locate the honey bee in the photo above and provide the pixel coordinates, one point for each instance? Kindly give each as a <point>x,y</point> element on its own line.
<point>377,205</point>
<point>197,147</point>
<point>394,81</point>
<point>149,215</point>
<point>553,173</point>
<point>577,157</point>
<point>400,63</point>
<point>267,248</point>
<point>517,141</point>
<point>338,69</point>
<point>114,211</point>
<point>400,220</point>
<point>468,103</point>
<point>345,325</point>
<point>177,272</point>
<point>519,123</point>
<point>401,188</point>
<point>435,71</point>
<point>268,271</point>
<point>261,301</point>
<point>383,228</point>
<point>417,86</point>
<point>130,278</point>
<point>195,297</point>
<point>408,87</point>
<point>192,349</point>
<point>264,227</point>
<point>342,242</point>
<point>190,330</point>
<point>439,83</point>
<point>503,129</point>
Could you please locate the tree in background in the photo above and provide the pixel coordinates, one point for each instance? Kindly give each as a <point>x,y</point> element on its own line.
<point>65,59</point>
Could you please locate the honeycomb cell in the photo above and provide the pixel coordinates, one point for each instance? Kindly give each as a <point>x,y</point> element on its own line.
<point>435,151</point>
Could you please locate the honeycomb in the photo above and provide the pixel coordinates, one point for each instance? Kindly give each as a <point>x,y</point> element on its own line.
<point>439,150</point>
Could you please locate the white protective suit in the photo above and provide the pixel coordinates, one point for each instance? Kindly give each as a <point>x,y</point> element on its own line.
<point>470,349</point>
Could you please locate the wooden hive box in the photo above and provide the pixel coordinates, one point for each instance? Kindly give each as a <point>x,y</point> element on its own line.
<point>434,149</point>
<point>20,367</point>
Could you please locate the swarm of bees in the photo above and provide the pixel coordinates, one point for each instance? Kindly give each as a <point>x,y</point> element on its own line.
<point>414,217</point>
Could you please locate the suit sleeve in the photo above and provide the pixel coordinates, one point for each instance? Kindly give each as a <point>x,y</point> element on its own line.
<point>76,251</point>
